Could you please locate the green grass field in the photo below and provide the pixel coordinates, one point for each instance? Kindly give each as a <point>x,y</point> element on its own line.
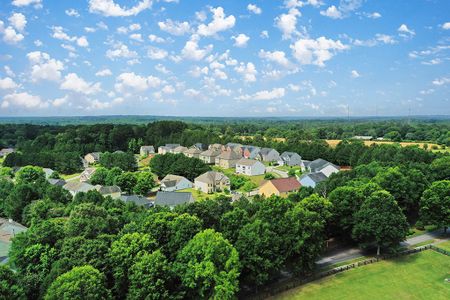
<point>444,245</point>
<point>417,276</point>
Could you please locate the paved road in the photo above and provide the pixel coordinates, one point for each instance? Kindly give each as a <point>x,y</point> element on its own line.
<point>344,254</point>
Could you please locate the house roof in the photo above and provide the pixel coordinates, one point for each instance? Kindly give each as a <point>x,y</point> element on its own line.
<point>265,151</point>
<point>193,151</point>
<point>316,176</point>
<point>148,148</point>
<point>173,198</point>
<point>320,164</point>
<point>171,180</point>
<point>9,228</point>
<point>288,154</point>
<point>251,148</point>
<point>136,199</point>
<point>59,182</point>
<point>211,177</point>
<point>180,149</point>
<point>200,146</point>
<point>217,146</point>
<point>76,186</point>
<point>106,190</point>
<point>229,155</point>
<point>95,155</point>
<point>284,185</point>
<point>211,152</point>
<point>247,162</point>
<point>172,146</point>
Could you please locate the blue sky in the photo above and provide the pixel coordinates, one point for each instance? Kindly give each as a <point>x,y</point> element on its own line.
<point>224,58</point>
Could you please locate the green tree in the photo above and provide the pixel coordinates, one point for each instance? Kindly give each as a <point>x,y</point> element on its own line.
<point>99,176</point>
<point>126,181</point>
<point>30,174</point>
<point>441,168</point>
<point>87,220</point>
<point>10,287</point>
<point>151,277</point>
<point>269,176</point>
<point>20,196</point>
<point>208,267</point>
<point>232,222</point>
<point>80,283</point>
<point>112,175</point>
<point>144,184</point>
<point>435,204</point>
<point>6,172</point>
<point>380,221</point>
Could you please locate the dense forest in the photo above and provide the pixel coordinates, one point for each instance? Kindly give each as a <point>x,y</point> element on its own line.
<point>88,246</point>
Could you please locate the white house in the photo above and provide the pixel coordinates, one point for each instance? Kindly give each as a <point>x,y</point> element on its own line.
<point>172,183</point>
<point>290,159</point>
<point>321,165</point>
<point>311,179</point>
<point>250,167</point>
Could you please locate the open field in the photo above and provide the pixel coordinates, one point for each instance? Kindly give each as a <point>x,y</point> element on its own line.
<point>417,276</point>
<point>333,143</point>
<point>444,245</point>
<point>198,195</point>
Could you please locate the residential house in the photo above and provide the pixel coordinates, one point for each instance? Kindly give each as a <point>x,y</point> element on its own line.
<point>58,182</point>
<point>93,157</point>
<point>172,183</point>
<point>279,187</point>
<point>8,230</point>
<point>227,159</point>
<point>136,199</point>
<point>75,187</point>
<point>179,150</point>
<point>112,191</point>
<point>200,146</point>
<point>209,156</point>
<point>172,199</point>
<point>250,152</point>
<point>211,182</point>
<point>290,159</point>
<point>146,150</point>
<point>87,174</point>
<point>5,151</point>
<point>321,165</point>
<point>48,172</point>
<point>167,148</point>
<point>250,167</point>
<point>193,152</point>
<point>363,137</point>
<point>268,155</point>
<point>312,179</point>
<point>215,147</point>
<point>233,147</point>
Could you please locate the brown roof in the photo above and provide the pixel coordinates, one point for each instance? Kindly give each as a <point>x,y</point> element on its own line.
<point>286,184</point>
<point>229,155</point>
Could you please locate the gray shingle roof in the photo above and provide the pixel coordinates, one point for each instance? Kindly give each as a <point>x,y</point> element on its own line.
<point>247,162</point>
<point>138,200</point>
<point>320,164</point>
<point>211,177</point>
<point>173,198</point>
<point>316,177</point>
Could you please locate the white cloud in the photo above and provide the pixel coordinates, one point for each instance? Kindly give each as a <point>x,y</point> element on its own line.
<point>264,34</point>
<point>82,42</point>
<point>156,53</point>
<point>240,40</point>
<point>175,27</point>
<point>43,67</point>
<point>332,12</point>
<point>10,36</point>
<point>18,21</point>
<point>7,84</point>
<point>156,39</point>
<point>59,34</point>
<point>72,12</point>
<point>254,9</point>
<point>446,26</point>
<point>120,51</point>
<point>405,32</point>
<point>60,101</point>
<point>136,37</point>
<point>374,15</point>
<point>162,69</point>
<point>316,52</point>
<point>354,74</point>
<point>278,57</point>
<point>377,40</point>
<point>26,2</point>
<point>109,8</point>
<point>197,71</point>
<point>103,73</point>
<point>130,82</point>
<point>218,24</point>
<point>130,28</point>
<point>24,100</point>
<point>72,82</point>
<point>441,81</point>
<point>9,72</point>
<point>287,23</point>
<point>248,71</point>
<point>192,51</point>
<point>38,43</point>
<point>275,93</point>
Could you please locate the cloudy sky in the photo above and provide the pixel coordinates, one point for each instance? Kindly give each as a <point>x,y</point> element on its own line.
<point>224,58</point>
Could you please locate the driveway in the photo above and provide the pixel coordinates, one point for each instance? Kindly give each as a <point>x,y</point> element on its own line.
<point>280,173</point>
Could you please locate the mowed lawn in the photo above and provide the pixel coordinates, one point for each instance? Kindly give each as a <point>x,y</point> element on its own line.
<point>417,276</point>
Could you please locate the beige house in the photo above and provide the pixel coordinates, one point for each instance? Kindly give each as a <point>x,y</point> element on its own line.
<point>228,159</point>
<point>112,191</point>
<point>193,152</point>
<point>179,150</point>
<point>146,150</point>
<point>92,157</point>
<point>279,187</point>
<point>215,147</point>
<point>87,174</point>
<point>211,182</point>
<point>209,156</point>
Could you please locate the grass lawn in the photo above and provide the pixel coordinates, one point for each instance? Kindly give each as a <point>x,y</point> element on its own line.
<point>444,245</point>
<point>417,276</point>
<point>198,195</point>
<point>415,232</point>
<point>69,176</point>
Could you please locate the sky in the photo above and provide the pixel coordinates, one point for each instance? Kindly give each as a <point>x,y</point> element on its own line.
<point>224,58</point>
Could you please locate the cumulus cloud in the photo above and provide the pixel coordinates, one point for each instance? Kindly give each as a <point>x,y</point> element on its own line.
<point>287,23</point>
<point>120,51</point>
<point>109,8</point>
<point>441,81</point>
<point>446,26</point>
<point>278,57</point>
<point>248,71</point>
<point>130,82</point>
<point>72,82</point>
<point>275,93</point>
<point>103,73</point>
<point>21,3</point>
<point>59,33</point>
<point>60,101</point>
<point>240,40</point>
<point>219,23</point>
<point>7,84</point>
<point>354,74</point>
<point>10,35</point>
<point>316,52</point>
<point>156,53</point>
<point>72,12</point>
<point>156,39</point>
<point>43,67</point>
<point>174,27</point>
<point>332,12</point>
<point>23,100</point>
<point>264,34</point>
<point>192,50</point>
<point>18,21</point>
<point>343,10</point>
<point>405,32</point>
<point>253,8</point>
